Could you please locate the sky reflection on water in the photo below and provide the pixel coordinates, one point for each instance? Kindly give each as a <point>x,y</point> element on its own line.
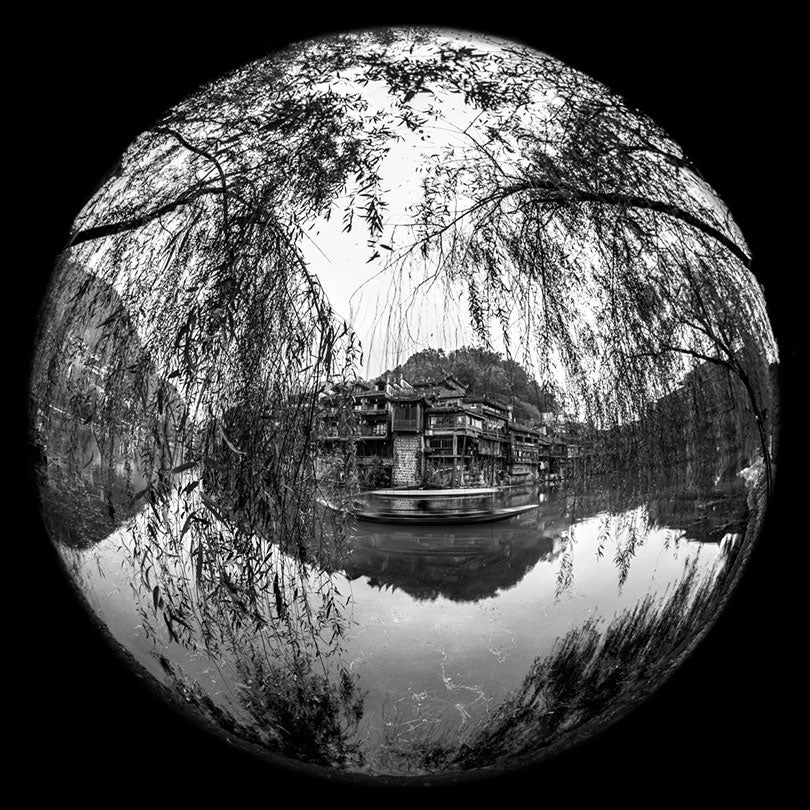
<point>442,624</point>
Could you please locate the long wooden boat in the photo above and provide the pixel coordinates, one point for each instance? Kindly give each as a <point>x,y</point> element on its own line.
<point>450,519</point>
<point>435,507</point>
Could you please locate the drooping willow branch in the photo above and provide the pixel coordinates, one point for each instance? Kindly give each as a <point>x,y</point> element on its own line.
<point>564,189</point>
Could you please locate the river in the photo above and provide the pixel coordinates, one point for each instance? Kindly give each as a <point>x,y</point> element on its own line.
<point>439,626</point>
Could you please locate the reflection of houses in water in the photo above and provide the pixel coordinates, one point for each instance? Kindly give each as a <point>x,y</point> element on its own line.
<point>464,565</point>
<point>408,434</point>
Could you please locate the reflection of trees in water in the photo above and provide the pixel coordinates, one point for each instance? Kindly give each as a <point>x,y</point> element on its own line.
<point>593,675</point>
<point>475,562</point>
<point>270,622</point>
<point>282,709</point>
<point>628,512</point>
<point>627,515</point>
<point>220,524</point>
<point>463,565</point>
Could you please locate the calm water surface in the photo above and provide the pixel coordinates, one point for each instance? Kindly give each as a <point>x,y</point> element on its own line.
<point>442,623</point>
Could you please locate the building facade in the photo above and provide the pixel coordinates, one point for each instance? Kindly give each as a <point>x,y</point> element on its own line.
<point>431,433</point>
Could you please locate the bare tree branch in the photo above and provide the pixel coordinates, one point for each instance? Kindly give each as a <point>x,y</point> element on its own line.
<point>114,228</point>
<point>554,193</point>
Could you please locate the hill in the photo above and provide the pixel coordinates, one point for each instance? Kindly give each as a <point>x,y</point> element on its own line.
<point>486,373</point>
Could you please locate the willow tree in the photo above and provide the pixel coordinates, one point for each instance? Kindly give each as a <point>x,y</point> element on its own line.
<point>557,214</point>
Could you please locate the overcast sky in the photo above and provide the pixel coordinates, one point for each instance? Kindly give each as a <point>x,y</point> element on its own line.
<point>395,311</point>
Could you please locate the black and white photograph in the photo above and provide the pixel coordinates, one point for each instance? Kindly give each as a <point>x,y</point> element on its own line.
<point>407,407</point>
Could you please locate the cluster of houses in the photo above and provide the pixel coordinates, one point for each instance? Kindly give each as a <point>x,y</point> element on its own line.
<point>432,433</point>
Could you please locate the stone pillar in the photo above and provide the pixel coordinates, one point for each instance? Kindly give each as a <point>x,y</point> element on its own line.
<point>406,470</point>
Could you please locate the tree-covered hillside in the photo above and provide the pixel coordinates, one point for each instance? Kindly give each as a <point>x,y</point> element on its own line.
<point>486,373</point>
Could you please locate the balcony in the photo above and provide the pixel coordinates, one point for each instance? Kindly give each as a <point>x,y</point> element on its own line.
<point>443,425</point>
<point>438,451</point>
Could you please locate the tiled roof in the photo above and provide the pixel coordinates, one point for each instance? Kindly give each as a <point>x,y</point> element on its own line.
<point>488,401</point>
<point>406,396</point>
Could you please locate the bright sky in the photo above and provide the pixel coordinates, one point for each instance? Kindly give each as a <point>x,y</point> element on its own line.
<point>396,312</point>
<point>379,302</point>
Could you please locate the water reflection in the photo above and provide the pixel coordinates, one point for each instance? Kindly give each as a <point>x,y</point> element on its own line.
<point>369,647</point>
<point>401,652</point>
<point>592,670</point>
<point>463,565</point>
<point>705,519</point>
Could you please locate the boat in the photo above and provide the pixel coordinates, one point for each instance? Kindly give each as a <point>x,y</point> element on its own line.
<point>435,507</point>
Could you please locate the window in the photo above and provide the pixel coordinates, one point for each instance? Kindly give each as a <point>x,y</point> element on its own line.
<point>440,444</point>
<point>406,416</point>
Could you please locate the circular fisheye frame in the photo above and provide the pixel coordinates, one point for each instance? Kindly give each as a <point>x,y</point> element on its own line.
<point>403,404</point>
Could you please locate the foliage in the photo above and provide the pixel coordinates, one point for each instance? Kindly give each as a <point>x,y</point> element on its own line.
<point>485,373</point>
<point>297,714</point>
<point>375,475</point>
<point>185,330</point>
<point>557,212</point>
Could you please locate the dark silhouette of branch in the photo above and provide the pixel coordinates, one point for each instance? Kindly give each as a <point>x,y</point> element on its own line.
<point>114,228</point>
<point>208,156</point>
<point>663,349</point>
<point>555,193</point>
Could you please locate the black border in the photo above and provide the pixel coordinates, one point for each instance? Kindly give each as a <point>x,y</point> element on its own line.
<point>723,89</point>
